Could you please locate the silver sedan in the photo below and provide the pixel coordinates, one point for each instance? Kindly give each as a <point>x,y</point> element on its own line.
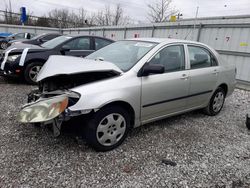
<point>127,84</point>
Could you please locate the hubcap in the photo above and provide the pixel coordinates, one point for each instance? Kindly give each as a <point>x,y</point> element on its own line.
<point>218,101</point>
<point>4,45</point>
<point>111,129</point>
<point>34,72</point>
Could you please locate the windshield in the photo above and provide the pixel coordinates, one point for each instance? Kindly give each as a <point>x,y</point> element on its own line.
<point>55,42</point>
<point>124,54</point>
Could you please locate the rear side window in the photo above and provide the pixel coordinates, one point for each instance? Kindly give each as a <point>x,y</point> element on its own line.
<point>100,43</point>
<point>171,57</point>
<point>200,57</point>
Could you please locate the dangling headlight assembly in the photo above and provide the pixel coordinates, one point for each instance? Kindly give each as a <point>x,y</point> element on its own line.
<point>43,110</point>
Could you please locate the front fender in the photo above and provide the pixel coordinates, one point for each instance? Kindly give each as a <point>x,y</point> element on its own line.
<point>97,101</point>
<point>96,95</point>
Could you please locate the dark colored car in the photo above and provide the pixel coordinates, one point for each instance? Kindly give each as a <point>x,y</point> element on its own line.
<point>37,40</point>
<point>4,42</point>
<point>27,61</point>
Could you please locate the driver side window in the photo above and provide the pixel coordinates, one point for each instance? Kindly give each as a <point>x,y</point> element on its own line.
<point>79,44</point>
<point>171,57</point>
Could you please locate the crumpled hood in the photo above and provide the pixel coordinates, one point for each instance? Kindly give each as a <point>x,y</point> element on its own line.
<point>67,65</point>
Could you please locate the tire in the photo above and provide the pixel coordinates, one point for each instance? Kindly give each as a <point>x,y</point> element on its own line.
<point>248,122</point>
<point>216,102</point>
<point>31,71</point>
<point>107,128</point>
<point>4,45</point>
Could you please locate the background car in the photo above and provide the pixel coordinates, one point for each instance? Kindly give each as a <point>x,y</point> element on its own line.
<point>37,40</point>
<point>3,35</point>
<point>4,42</point>
<point>26,61</point>
<point>138,81</point>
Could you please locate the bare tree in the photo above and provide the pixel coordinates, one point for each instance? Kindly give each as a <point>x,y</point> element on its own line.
<point>8,16</point>
<point>110,16</point>
<point>43,21</point>
<point>63,18</point>
<point>118,15</point>
<point>59,18</point>
<point>82,16</point>
<point>160,11</point>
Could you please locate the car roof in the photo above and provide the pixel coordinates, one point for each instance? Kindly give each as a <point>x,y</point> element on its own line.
<point>164,40</point>
<point>79,35</point>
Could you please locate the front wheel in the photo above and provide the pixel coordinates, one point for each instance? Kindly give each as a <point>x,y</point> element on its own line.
<point>107,128</point>
<point>31,72</point>
<point>216,102</point>
<point>4,45</point>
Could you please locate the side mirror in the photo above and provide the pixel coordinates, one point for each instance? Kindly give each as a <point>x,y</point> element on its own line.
<point>151,69</point>
<point>64,49</point>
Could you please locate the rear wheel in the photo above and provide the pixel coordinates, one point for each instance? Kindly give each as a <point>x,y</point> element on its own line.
<point>107,128</point>
<point>216,102</point>
<point>248,122</point>
<point>31,72</point>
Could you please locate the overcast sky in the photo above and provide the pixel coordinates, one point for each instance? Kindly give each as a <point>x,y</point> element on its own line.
<point>136,9</point>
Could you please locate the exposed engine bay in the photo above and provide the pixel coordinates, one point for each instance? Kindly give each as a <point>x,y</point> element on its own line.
<point>60,84</point>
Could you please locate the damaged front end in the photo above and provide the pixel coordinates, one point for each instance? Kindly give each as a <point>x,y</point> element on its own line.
<point>49,108</point>
<point>49,104</point>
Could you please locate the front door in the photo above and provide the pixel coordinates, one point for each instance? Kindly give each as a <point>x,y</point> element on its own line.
<point>165,94</point>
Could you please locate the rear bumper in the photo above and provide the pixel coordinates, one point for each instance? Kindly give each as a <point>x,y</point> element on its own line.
<point>231,88</point>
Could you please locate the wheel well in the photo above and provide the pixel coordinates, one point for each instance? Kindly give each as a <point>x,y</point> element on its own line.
<point>34,60</point>
<point>127,107</point>
<point>224,87</point>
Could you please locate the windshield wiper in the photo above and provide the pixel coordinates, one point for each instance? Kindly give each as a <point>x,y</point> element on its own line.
<point>99,59</point>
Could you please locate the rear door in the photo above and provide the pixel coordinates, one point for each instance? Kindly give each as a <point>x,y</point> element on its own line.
<point>164,94</point>
<point>203,75</point>
<point>79,47</point>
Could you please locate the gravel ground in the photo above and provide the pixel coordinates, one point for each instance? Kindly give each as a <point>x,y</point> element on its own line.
<point>203,151</point>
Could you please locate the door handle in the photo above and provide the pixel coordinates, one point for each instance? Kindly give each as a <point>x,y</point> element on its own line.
<point>184,77</point>
<point>215,71</point>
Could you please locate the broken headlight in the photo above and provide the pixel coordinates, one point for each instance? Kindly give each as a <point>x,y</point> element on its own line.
<point>43,110</point>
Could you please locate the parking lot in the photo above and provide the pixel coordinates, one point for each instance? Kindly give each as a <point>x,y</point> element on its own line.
<point>191,150</point>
